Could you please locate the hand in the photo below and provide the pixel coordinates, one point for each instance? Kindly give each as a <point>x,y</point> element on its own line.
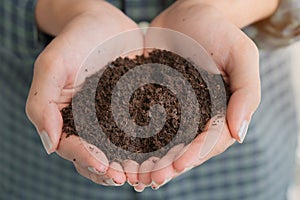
<point>237,59</point>
<point>78,32</point>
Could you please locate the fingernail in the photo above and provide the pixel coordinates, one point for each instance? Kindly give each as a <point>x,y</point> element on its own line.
<point>95,171</point>
<point>156,186</point>
<point>139,190</point>
<point>93,177</point>
<point>46,141</point>
<point>186,169</point>
<point>133,184</point>
<point>243,131</point>
<point>147,185</point>
<point>153,183</point>
<point>111,182</point>
<point>166,181</point>
<point>233,140</point>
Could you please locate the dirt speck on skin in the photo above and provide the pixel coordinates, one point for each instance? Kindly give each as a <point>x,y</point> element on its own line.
<point>140,103</point>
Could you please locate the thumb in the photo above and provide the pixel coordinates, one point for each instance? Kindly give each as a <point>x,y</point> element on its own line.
<point>243,72</point>
<point>45,92</point>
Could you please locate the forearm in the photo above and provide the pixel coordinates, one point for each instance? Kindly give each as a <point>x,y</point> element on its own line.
<point>52,15</point>
<point>242,12</point>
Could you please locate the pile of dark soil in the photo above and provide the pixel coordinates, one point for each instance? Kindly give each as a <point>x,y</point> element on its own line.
<point>101,130</point>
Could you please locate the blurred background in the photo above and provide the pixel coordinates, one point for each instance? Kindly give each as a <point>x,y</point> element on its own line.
<point>294,193</point>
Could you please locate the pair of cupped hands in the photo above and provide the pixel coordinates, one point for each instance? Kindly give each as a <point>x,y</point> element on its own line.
<point>55,70</point>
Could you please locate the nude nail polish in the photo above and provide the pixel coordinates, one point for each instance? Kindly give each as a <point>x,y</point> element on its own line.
<point>95,171</point>
<point>133,184</point>
<point>46,141</point>
<point>243,131</point>
<point>155,186</point>
<point>138,190</point>
<point>111,182</point>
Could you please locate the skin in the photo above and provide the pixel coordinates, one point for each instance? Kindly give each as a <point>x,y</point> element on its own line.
<point>55,71</point>
<point>214,24</point>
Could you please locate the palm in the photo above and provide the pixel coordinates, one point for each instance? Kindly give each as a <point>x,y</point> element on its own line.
<point>233,52</point>
<point>54,83</point>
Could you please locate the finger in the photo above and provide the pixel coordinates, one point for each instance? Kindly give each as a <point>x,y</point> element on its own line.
<point>95,177</point>
<point>213,130</point>
<point>83,154</point>
<point>116,174</point>
<point>145,170</point>
<point>42,110</point>
<point>131,169</point>
<point>202,148</point>
<point>86,173</point>
<point>243,72</point>
<point>140,187</point>
<point>163,170</point>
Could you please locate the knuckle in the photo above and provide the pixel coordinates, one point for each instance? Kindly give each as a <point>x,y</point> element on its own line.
<point>48,60</point>
<point>247,46</point>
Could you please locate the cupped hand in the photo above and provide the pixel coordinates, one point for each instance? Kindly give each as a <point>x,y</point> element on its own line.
<point>237,58</point>
<point>53,86</point>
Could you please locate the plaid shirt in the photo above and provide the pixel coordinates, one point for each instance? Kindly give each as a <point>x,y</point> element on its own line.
<point>259,169</point>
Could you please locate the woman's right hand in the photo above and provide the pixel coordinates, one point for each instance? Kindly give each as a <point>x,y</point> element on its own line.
<point>78,26</point>
<point>237,59</point>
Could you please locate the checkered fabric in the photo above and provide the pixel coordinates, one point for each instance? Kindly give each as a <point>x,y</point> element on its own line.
<point>259,169</point>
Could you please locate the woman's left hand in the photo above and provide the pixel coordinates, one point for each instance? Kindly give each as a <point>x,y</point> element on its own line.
<point>237,58</point>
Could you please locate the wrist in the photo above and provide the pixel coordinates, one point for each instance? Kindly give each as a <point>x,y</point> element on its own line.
<point>241,12</point>
<point>53,15</point>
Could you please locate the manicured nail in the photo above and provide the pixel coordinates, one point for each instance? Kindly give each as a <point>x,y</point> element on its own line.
<point>243,131</point>
<point>133,184</point>
<point>46,141</point>
<point>233,140</point>
<point>165,182</point>
<point>95,171</point>
<point>147,185</point>
<point>111,182</point>
<point>93,177</point>
<point>187,169</point>
<point>156,186</point>
<point>139,190</point>
<point>183,171</point>
<point>153,184</point>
